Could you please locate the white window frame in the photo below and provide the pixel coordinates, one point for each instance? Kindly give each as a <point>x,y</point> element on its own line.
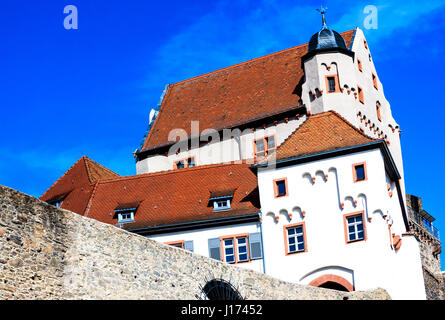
<point>245,244</point>
<point>225,246</point>
<point>218,207</point>
<point>355,224</point>
<point>295,236</point>
<point>121,219</point>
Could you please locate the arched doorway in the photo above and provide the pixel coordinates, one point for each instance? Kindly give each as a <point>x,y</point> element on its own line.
<point>332,281</point>
<point>220,289</point>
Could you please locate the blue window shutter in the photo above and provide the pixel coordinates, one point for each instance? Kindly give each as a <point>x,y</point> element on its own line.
<point>256,251</point>
<point>215,248</point>
<point>188,245</point>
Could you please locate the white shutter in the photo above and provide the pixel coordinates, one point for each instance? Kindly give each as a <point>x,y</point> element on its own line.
<point>256,248</point>
<point>215,248</point>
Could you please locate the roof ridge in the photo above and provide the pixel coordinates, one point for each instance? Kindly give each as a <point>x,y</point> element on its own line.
<point>248,61</point>
<point>89,162</point>
<point>290,55</point>
<point>165,172</point>
<point>240,64</point>
<point>65,174</point>
<point>90,200</point>
<point>351,125</point>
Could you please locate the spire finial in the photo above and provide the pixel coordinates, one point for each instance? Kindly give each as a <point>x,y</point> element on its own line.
<point>323,11</point>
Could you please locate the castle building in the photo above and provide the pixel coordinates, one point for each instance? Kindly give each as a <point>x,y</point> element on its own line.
<point>289,164</point>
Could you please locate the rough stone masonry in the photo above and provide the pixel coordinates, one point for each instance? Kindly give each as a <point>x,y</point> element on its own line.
<point>49,253</point>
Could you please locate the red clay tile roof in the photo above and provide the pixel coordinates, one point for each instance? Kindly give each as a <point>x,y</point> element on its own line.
<point>233,96</point>
<point>321,132</point>
<point>176,196</point>
<point>76,185</point>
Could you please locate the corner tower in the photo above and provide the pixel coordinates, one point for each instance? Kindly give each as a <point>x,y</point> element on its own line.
<point>344,79</point>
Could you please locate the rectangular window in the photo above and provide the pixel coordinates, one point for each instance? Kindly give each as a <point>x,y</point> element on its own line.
<point>280,187</point>
<point>191,162</point>
<point>125,217</point>
<point>265,146</point>
<point>242,249</point>
<point>295,238</point>
<point>185,163</point>
<point>180,164</point>
<point>355,228</point>
<point>332,84</point>
<point>229,251</point>
<point>331,81</point>
<point>359,172</point>
<point>222,204</point>
<point>360,95</point>
<point>235,249</point>
<point>260,148</point>
<point>176,244</point>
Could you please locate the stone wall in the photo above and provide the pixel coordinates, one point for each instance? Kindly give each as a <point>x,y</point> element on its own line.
<point>430,249</point>
<point>48,253</point>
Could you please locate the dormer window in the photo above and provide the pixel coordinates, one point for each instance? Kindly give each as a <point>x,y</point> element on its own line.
<point>221,200</point>
<point>125,217</point>
<point>57,202</point>
<point>221,204</point>
<point>125,212</point>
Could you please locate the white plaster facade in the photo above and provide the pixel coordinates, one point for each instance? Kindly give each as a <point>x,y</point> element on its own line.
<point>200,239</point>
<point>365,264</point>
<point>226,150</point>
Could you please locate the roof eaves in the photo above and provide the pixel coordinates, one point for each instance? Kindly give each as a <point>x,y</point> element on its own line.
<point>197,224</point>
<point>335,152</point>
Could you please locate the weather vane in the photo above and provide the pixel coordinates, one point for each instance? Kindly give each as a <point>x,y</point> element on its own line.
<point>323,11</point>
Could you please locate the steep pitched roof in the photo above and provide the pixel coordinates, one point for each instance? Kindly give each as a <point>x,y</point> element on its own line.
<point>321,132</point>
<point>176,196</point>
<point>76,185</point>
<point>233,96</point>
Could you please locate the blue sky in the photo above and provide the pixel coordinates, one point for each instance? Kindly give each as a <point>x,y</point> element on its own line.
<point>68,93</point>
